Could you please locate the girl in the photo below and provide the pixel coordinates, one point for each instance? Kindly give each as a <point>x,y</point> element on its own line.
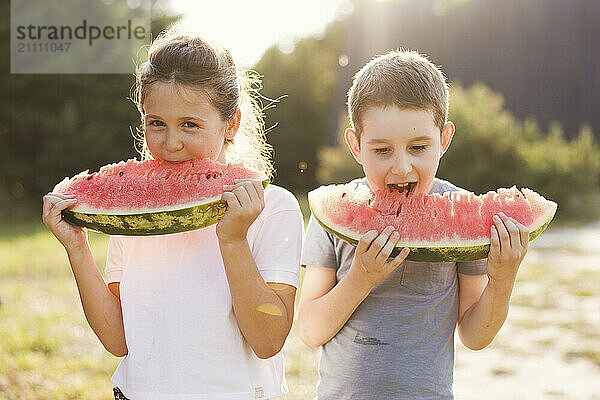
<point>201,314</point>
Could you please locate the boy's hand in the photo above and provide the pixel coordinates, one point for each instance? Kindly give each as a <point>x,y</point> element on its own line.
<point>245,201</point>
<point>70,236</point>
<point>509,241</point>
<point>372,253</point>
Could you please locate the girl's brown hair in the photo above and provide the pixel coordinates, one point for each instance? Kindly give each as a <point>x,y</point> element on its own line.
<point>194,63</point>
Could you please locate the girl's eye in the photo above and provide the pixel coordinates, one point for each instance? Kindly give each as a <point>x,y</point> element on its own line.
<point>156,122</point>
<point>419,148</point>
<point>189,124</point>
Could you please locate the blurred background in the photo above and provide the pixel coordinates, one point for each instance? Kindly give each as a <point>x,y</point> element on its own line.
<point>525,98</point>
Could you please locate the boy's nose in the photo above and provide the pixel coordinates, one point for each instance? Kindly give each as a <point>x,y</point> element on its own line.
<point>401,166</point>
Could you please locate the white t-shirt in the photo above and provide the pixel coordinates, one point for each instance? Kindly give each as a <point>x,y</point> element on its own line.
<point>181,332</point>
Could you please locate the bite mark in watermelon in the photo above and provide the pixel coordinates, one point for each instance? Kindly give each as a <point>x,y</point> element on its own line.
<point>449,227</point>
<point>152,197</point>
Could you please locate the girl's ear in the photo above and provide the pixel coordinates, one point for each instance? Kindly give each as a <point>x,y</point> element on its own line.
<point>446,137</point>
<point>353,143</point>
<point>233,125</point>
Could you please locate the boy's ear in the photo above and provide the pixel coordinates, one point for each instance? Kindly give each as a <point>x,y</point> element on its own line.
<point>233,124</point>
<point>353,143</point>
<point>446,137</point>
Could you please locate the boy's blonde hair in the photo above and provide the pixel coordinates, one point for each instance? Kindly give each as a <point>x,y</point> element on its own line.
<point>402,78</point>
<point>194,63</point>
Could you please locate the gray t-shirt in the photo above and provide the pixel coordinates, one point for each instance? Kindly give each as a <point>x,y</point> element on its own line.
<point>399,342</point>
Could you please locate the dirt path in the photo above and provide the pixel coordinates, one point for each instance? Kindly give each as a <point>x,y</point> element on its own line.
<point>549,347</point>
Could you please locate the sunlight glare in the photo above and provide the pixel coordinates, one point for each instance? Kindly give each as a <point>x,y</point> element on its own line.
<point>247,28</point>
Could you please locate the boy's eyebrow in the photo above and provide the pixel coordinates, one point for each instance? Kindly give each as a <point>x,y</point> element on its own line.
<point>415,139</point>
<point>423,137</point>
<point>377,141</point>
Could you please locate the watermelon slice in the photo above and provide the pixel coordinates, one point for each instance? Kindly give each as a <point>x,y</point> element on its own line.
<point>450,227</point>
<point>152,197</point>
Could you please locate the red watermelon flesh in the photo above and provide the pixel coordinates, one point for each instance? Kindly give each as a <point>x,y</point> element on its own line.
<point>457,218</point>
<point>141,186</point>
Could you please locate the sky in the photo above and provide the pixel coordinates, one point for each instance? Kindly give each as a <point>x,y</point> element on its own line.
<point>248,27</point>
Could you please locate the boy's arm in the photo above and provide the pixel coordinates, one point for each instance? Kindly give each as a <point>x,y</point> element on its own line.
<point>326,306</point>
<point>480,318</point>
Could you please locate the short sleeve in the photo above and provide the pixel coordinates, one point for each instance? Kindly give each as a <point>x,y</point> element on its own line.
<point>477,267</point>
<point>319,248</point>
<point>114,260</point>
<point>277,243</point>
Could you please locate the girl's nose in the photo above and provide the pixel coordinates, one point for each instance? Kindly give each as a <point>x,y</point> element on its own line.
<point>172,142</point>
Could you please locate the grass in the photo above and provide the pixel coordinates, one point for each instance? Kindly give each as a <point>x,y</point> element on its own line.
<point>47,350</point>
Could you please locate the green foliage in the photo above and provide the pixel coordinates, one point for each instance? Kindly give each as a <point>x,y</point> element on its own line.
<point>336,164</point>
<point>56,125</point>
<point>306,78</point>
<point>492,149</point>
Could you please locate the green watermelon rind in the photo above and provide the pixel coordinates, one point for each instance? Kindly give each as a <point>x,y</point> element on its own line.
<point>436,253</point>
<point>151,223</point>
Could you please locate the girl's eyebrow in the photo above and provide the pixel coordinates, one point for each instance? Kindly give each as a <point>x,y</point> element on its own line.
<point>192,117</point>
<point>181,119</point>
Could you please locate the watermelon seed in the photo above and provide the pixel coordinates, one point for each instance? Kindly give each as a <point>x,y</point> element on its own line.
<point>90,177</point>
<point>343,195</point>
<point>207,176</point>
<point>121,173</point>
<point>399,210</point>
<point>215,176</point>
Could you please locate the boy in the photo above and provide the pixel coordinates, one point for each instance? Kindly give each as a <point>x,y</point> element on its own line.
<point>387,325</point>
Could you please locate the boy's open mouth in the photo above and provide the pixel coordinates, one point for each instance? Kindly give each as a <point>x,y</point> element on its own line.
<point>401,188</point>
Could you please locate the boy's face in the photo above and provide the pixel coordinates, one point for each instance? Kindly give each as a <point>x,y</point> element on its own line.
<point>399,149</point>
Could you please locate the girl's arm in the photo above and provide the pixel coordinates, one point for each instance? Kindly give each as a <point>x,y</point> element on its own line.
<point>484,301</point>
<point>101,307</point>
<point>326,306</point>
<point>264,311</point>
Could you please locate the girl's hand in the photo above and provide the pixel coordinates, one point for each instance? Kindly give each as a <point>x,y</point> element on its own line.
<point>68,235</point>
<point>372,253</point>
<point>245,201</point>
<point>509,241</point>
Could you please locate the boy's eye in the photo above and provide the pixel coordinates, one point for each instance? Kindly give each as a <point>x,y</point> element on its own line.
<point>418,148</point>
<point>382,150</point>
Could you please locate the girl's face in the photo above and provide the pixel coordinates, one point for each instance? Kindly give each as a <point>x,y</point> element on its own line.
<point>181,124</point>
